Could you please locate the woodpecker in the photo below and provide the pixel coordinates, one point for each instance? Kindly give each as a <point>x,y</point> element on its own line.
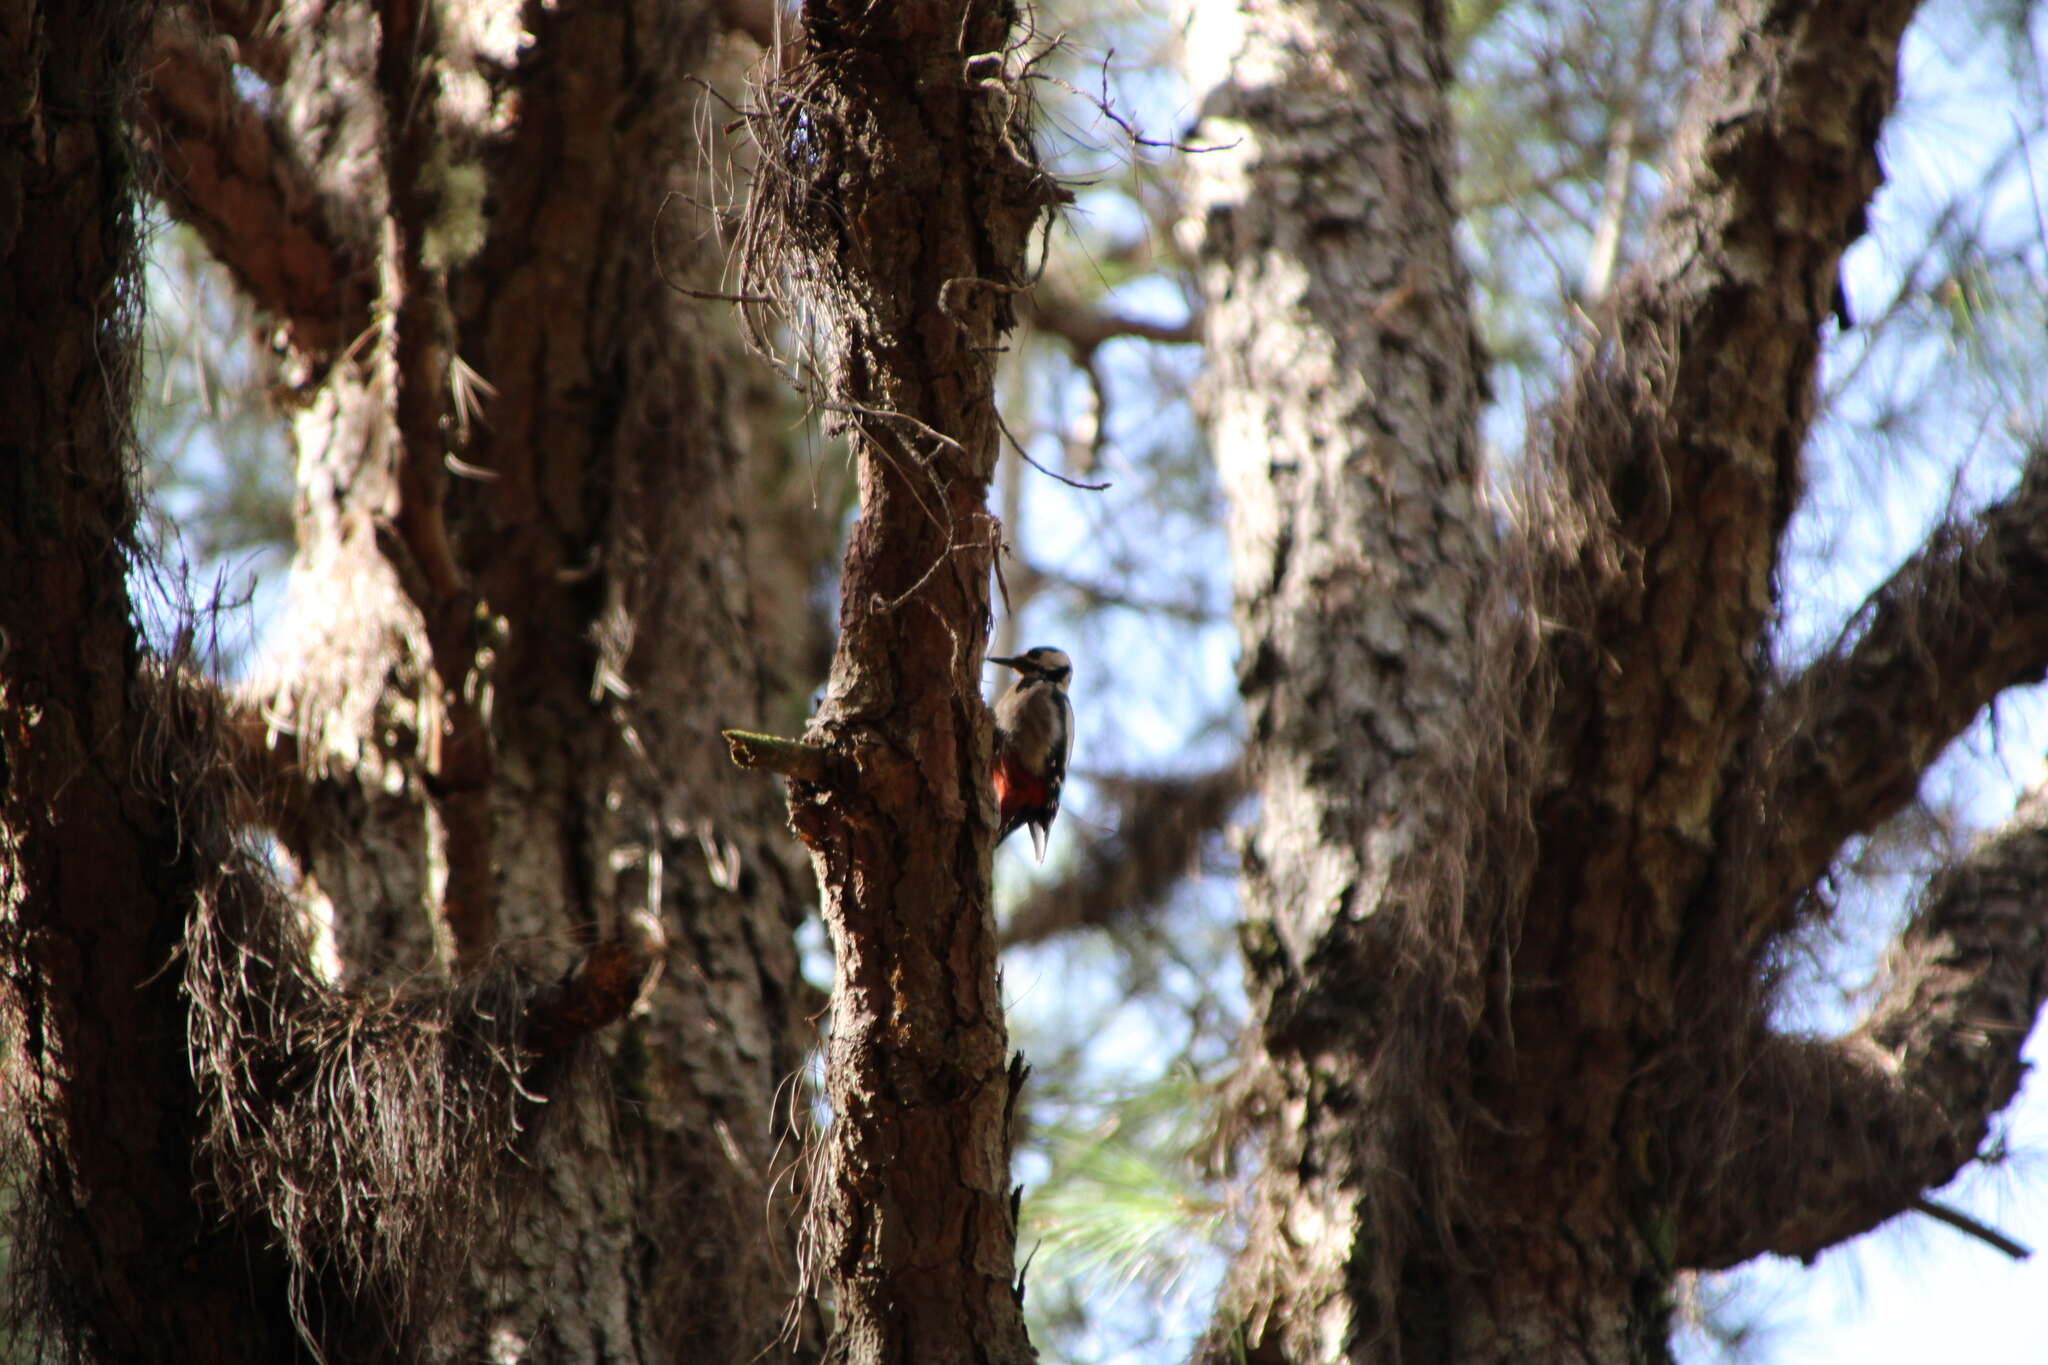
<point>1034,735</point>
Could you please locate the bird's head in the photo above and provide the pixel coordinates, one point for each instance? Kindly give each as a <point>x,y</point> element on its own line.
<point>1045,662</point>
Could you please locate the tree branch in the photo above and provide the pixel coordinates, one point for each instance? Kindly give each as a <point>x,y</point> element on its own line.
<point>228,173</point>
<point>792,758</point>
<point>1086,328</point>
<point>418,364</point>
<point>1027,579</point>
<point>1616,181</point>
<point>1675,453</point>
<point>1161,825</point>
<point>1970,1227</point>
<point>1823,1140</point>
<point>1847,740</point>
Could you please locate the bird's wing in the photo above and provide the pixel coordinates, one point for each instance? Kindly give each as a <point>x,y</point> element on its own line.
<point>1059,770</point>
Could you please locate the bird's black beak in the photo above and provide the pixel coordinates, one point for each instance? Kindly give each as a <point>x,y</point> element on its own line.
<point>997,659</point>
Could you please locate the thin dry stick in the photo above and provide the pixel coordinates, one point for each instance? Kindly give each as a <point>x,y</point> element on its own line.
<point>1962,1222</point>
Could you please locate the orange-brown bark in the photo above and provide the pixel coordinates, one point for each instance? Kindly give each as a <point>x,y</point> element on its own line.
<point>97,863</point>
<point>616,642</point>
<point>902,194</point>
<point>227,170</point>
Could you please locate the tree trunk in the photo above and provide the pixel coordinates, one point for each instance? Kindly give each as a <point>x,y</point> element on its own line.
<point>1506,908</point>
<point>609,635</point>
<point>520,612</point>
<point>509,1066</point>
<point>898,187</point>
<point>98,857</point>
<point>1342,403</point>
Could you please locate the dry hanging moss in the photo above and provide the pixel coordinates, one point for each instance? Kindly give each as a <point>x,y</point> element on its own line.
<point>380,1135</point>
<point>374,1138</point>
<point>807,247</point>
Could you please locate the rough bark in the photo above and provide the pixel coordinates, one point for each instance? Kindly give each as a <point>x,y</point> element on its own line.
<point>1825,1139</point>
<point>897,185</point>
<point>1342,401</point>
<point>96,862</point>
<point>1511,1072</point>
<point>530,690</point>
<point>1673,457</point>
<point>1483,1040</point>
<point>1678,439</point>
<point>1845,741</point>
<point>520,608</point>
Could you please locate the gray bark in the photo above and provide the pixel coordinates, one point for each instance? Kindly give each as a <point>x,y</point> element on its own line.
<point>1530,814</point>
<point>1341,401</point>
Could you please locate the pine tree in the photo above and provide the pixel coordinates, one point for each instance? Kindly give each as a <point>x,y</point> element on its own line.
<point>428,988</point>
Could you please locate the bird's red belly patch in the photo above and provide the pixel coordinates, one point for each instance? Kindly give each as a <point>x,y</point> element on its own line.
<point>1016,789</point>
